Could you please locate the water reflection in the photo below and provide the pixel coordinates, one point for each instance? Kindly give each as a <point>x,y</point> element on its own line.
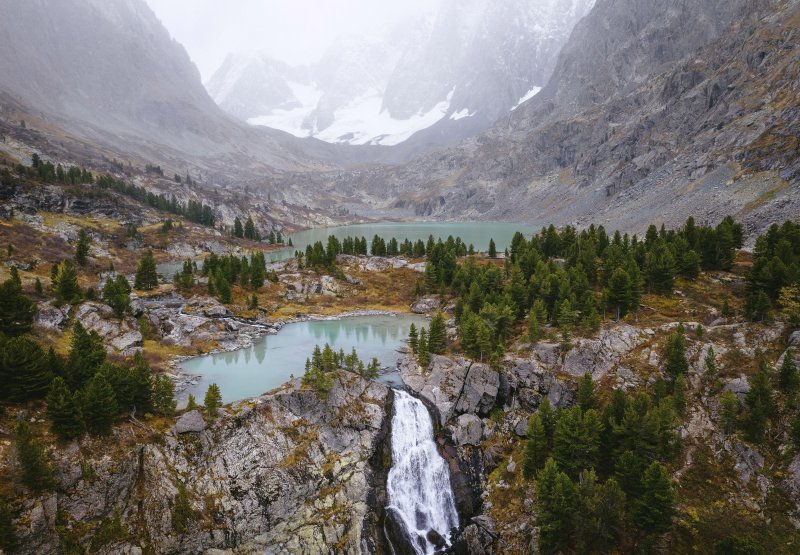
<point>272,360</point>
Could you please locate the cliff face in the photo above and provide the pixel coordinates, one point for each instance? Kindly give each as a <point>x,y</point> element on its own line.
<point>656,110</point>
<point>284,472</point>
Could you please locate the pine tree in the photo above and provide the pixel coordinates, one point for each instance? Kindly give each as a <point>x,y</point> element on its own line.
<point>437,335</point>
<point>63,411</point>
<point>534,327</point>
<point>250,229</point>
<point>238,231</point>
<point>675,354</point>
<point>141,383</point>
<point>146,274</point>
<point>576,441</point>
<point>82,248</point>
<point>660,268</point>
<point>586,398</point>
<point>536,447</point>
<point>65,283</point>
<point>16,310</point>
<point>492,249</point>
<point>182,510</point>
<point>37,287</point>
<point>24,371</point>
<point>163,395</point>
<point>619,294</point>
<point>413,338</point>
<point>600,516</point>
<point>116,294</point>
<point>99,405</point>
<point>423,355</point>
<point>759,406</point>
<point>559,502</point>
<point>213,400</point>
<point>86,355</point>
<point>655,508</point>
<point>37,473</point>
<point>710,363</point>
<point>789,380</point>
<point>191,403</point>
<point>729,411</point>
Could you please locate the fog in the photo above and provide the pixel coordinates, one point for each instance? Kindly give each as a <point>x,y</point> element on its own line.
<point>295,31</point>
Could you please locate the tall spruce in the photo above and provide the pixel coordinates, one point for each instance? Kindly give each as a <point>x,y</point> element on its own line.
<point>99,405</point>
<point>24,371</point>
<point>37,472</point>
<point>213,400</point>
<point>146,273</point>
<point>82,248</point>
<point>437,335</point>
<point>63,411</point>
<point>16,309</point>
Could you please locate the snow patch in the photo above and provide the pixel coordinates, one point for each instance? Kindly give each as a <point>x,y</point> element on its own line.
<point>526,97</point>
<point>461,114</point>
<point>362,121</point>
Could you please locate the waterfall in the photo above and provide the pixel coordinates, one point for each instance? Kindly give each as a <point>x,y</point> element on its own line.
<point>419,482</point>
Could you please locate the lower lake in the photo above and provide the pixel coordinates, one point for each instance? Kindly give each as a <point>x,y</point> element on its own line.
<point>274,359</point>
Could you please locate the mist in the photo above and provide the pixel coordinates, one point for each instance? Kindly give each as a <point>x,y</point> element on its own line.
<point>296,32</point>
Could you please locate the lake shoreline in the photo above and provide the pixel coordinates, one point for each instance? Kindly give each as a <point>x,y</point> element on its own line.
<point>185,380</point>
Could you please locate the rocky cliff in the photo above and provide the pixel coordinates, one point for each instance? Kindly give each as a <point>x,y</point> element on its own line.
<point>655,110</point>
<point>285,472</point>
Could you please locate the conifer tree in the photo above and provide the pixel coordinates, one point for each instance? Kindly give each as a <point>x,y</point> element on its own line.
<point>423,355</point>
<point>163,395</point>
<point>437,335</point>
<point>63,411</point>
<point>86,355</point>
<point>250,229</point>
<point>655,508</point>
<point>675,354</point>
<point>789,380</point>
<point>660,268</point>
<point>82,248</point>
<point>559,501</point>
<point>24,371</point>
<point>759,406</point>
<point>37,287</point>
<point>16,309</point>
<point>492,249</point>
<point>65,283</point>
<point>536,447</point>
<point>586,398</point>
<point>576,441</point>
<point>116,294</point>
<point>534,327</point>
<point>238,231</point>
<point>146,275</point>
<point>618,294</point>
<point>99,405</point>
<point>37,473</point>
<point>191,403</point>
<point>182,510</point>
<point>213,400</point>
<point>729,411</point>
<point>413,338</point>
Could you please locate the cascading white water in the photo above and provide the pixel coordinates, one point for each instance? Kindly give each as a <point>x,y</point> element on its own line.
<point>419,481</point>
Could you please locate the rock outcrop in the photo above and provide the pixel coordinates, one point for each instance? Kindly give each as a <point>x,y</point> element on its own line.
<point>285,472</point>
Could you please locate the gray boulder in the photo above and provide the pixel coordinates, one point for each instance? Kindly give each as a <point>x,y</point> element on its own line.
<point>467,430</point>
<point>190,422</point>
<point>51,317</point>
<point>426,304</point>
<point>740,386</point>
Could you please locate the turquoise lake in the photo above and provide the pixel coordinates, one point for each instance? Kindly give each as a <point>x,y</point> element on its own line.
<point>274,359</point>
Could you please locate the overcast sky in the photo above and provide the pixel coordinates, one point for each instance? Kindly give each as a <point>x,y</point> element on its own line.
<point>296,31</point>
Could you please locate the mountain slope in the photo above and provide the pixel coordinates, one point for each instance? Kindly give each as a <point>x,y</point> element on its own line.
<point>451,76</point>
<point>109,71</point>
<point>634,127</point>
